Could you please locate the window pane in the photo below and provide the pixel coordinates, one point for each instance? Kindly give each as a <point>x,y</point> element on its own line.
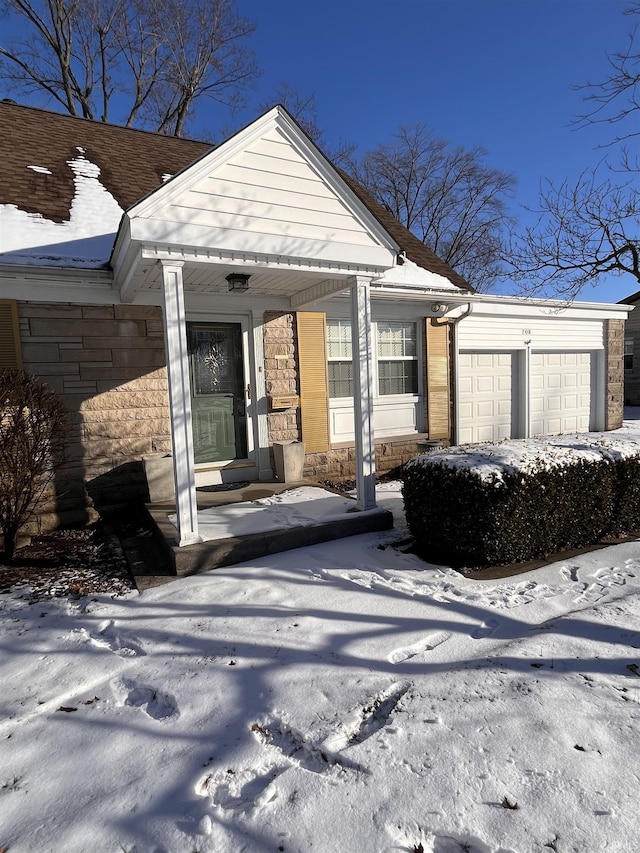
<point>628,353</point>
<point>339,338</point>
<point>396,340</point>
<point>397,377</point>
<point>340,379</point>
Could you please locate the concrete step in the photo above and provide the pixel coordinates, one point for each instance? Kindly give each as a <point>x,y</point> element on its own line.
<point>193,559</point>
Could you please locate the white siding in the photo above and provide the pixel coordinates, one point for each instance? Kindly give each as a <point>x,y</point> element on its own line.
<point>545,333</point>
<point>269,188</point>
<point>392,416</point>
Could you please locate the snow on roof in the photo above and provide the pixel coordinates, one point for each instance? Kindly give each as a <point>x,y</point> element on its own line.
<point>410,274</point>
<point>84,240</point>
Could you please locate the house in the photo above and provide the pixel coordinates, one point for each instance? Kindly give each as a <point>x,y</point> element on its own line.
<point>632,352</point>
<point>210,302</point>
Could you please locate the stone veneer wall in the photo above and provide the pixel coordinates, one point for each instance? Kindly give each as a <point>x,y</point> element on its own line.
<point>340,462</point>
<point>615,374</point>
<point>107,364</point>
<point>281,374</point>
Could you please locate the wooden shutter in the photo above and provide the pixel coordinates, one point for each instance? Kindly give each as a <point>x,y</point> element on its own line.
<point>314,384</point>
<point>10,352</point>
<point>438,391</point>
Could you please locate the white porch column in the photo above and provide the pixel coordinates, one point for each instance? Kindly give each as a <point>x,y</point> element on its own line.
<point>175,337</point>
<point>362,355</point>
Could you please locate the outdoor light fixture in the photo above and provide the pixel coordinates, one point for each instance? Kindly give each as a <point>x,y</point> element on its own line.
<point>438,307</point>
<point>238,281</point>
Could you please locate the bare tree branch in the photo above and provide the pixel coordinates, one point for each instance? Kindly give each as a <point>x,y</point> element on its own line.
<point>583,230</point>
<point>449,198</point>
<point>159,57</point>
<point>591,226</point>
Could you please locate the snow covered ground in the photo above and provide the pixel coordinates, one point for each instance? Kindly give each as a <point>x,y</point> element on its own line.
<point>344,697</point>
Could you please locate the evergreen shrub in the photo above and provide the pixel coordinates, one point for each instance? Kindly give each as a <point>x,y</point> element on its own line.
<point>463,516</point>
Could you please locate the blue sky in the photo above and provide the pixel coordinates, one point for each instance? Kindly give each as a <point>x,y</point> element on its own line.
<point>495,73</point>
<point>500,74</point>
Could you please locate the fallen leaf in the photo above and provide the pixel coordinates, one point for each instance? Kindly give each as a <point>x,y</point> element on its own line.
<point>633,667</point>
<point>91,701</point>
<point>66,709</point>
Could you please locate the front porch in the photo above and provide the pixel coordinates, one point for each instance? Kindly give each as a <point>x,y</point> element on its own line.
<point>242,522</point>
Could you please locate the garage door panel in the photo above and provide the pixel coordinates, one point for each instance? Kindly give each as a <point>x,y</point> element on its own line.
<point>484,359</point>
<point>465,384</point>
<point>561,385</point>
<point>486,380</point>
<point>484,384</point>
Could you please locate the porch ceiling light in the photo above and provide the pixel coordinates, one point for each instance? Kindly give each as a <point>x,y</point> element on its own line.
<point>238,281</point>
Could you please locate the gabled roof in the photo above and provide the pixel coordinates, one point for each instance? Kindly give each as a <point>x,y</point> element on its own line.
<point>630,300</point>
<point>132,163</point>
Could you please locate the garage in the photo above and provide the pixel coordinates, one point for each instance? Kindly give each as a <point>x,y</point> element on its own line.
<point>487,396</point>
<point>561,387</point>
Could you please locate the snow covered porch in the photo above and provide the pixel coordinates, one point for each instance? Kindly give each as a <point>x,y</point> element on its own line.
<point>261,224</point>
<point>249,521</point>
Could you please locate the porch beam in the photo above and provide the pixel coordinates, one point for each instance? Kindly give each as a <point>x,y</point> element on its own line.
<point>175,336</point>
<point>362,359</point>
<point>317,292</point>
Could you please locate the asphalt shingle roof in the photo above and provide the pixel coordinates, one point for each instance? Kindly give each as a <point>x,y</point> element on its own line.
<point>132,164</point>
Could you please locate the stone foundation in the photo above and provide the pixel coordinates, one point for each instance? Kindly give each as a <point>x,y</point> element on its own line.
<point>340,463</point>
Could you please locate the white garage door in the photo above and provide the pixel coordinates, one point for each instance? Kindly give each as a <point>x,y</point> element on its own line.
<point>486,409</point>
<point>560,392</point>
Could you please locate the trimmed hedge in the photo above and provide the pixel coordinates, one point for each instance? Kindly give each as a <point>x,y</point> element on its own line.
<point>465,517</point>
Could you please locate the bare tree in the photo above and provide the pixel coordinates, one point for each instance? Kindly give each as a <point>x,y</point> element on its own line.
<point>590,226</point>
<point>616,99</point>
<point>583,230</point>
<point>146,61</point>
<point>32,435</point>
<point>448,196</point>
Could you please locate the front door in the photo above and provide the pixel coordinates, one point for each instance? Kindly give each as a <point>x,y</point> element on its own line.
<point>218,405</point>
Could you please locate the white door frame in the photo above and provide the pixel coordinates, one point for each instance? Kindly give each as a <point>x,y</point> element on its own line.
<point>208,473</point>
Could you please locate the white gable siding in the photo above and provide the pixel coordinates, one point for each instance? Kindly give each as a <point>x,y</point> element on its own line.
<point>549,333</point>
<point>268,190</point>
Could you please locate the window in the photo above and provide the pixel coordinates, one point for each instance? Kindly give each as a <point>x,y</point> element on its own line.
<point>397,358</point>
<point>628,353</point>
<point>339,358</point>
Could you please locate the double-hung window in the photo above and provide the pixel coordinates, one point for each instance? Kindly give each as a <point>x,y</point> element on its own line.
<point>339,358</point>
<point>628,353</point>
<point>396,362</point>
<point>397,358</point>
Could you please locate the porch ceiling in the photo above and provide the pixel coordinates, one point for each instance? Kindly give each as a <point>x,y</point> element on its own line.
<point>211,278</point>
